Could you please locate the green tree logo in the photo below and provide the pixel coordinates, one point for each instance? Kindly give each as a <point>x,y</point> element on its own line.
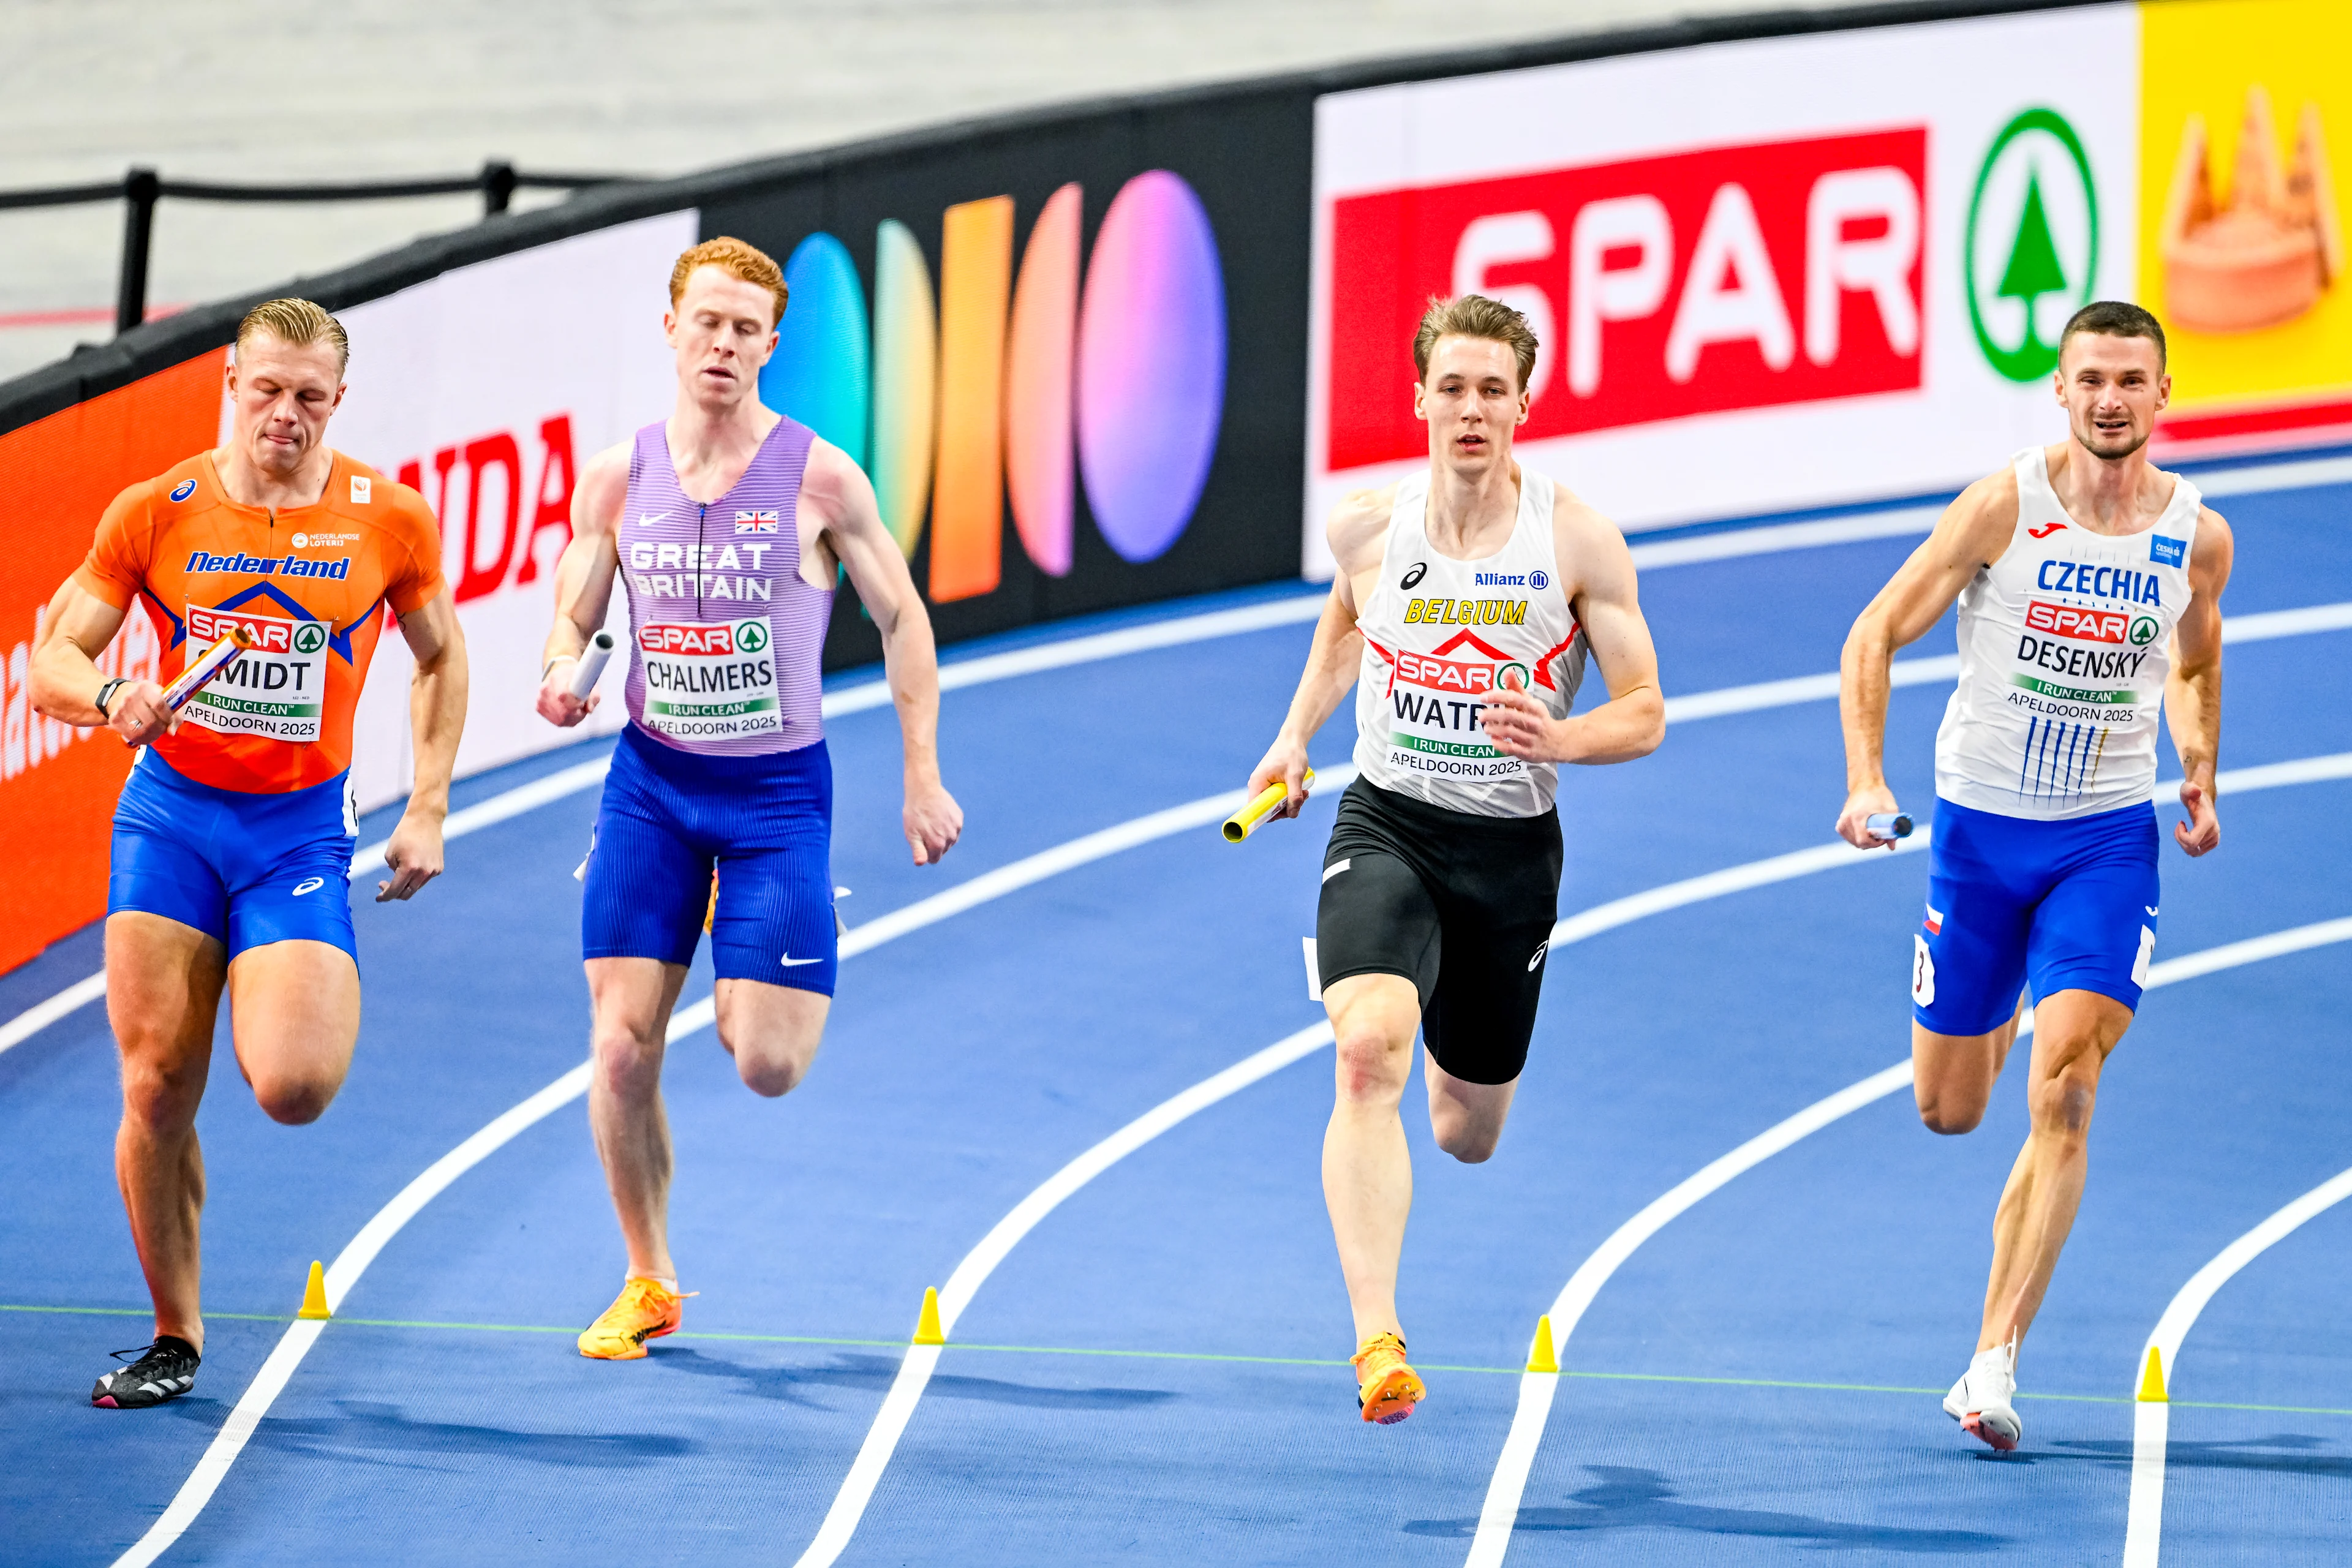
<point>751,637</point>
<point>309,637</point>
<point>2032,250</point>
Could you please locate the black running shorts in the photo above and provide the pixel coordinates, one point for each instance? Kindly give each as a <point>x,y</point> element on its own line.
<point>1461,905</point>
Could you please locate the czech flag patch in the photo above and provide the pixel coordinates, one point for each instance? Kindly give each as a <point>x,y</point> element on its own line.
<point>1934,921</point>
<point>756,521</point>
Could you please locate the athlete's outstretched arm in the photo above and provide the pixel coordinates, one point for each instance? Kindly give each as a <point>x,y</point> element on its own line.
<point>2192,692</point>
<point>583,582</point>
<point>65,677</point>
<point>1970,536</point>
<point>1358,532</point>
<point>843,500</point>
<point>1608,606</point>
<point>437,717</point>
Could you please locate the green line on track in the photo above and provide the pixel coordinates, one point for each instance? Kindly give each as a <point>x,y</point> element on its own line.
<point>1180,1355</point>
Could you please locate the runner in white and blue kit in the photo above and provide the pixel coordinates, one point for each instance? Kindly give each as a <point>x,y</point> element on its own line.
<point>2089,585</point>
<point>730,524</point>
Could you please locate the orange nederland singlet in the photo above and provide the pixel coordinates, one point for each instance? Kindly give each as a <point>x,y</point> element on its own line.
<point>310,582</point>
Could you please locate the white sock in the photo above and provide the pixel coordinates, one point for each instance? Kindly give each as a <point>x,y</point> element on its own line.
<point>665,1281</point>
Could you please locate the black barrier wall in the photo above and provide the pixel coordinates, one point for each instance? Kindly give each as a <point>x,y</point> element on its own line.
<point>1245,150</point>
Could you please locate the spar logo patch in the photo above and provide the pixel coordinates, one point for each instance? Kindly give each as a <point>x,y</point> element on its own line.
<point>183,489</point>
<point>757,521</point>
<point>2081,626</point>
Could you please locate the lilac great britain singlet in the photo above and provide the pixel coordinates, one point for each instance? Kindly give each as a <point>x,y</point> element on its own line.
<point>726,635</point>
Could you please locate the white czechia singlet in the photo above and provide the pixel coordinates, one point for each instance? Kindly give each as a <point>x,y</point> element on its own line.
<point>1438,634</point>
<point>2065,642</point>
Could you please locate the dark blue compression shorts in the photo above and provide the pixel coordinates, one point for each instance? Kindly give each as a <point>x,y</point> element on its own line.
<point>2066,905</point>
<point>247,868</point>
<point>669,816</point>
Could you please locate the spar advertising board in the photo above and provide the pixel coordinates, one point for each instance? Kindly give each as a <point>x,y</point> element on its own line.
<point>1768,276</point>
<point>487,389</point>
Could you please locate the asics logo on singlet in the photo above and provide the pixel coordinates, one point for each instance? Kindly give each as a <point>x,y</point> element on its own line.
<point>183,489</point>
<point>2100,582</point>
<point>1412,578</point>
<point>310,885</point>
<point>1541,948</point>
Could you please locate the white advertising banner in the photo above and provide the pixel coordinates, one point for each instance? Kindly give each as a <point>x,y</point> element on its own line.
<point>1767,276</point>
<point>487,389</point>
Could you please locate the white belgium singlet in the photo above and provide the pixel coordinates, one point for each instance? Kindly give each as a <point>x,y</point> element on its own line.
<point>2065,642</point>
<point>1438,633</point>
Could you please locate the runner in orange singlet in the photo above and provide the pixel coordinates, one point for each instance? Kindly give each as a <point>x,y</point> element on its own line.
<point>233,839</point>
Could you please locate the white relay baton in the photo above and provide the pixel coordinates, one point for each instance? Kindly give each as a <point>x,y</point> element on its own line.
<point>591,665</point>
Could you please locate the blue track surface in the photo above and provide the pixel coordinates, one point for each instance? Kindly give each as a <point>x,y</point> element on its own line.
<point>1759,1382</point>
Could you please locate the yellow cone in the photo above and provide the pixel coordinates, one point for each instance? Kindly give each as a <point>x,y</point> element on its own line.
<point>2151,1382</point>
<point>927,1327</point>
<point>1540,1356</point>
<point>314,1294</point>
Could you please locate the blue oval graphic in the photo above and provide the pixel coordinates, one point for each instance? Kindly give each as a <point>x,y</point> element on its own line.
<point>822,370</point>
<point>183,489</point>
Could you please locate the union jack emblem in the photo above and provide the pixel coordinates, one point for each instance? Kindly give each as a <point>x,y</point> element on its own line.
<point>755,521</point>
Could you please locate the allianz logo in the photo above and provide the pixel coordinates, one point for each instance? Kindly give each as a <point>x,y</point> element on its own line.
<point>1501,580</point>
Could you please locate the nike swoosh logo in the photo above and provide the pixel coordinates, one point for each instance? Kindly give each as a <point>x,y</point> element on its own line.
<point>791,962</point>
<point>647,520</point>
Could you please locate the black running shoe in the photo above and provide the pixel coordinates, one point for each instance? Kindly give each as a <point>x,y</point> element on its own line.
<point>165,1370</point>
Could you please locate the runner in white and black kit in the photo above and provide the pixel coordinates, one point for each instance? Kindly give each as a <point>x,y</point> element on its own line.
<point>1463,608</point>
<point>731,523</point>
<point>2089,585</point>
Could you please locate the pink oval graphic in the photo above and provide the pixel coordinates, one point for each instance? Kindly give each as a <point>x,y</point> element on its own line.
<point>1152,365</point>
<point>1038,371</point>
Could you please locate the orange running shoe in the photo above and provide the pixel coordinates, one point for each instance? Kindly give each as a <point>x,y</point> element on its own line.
<point>645,1310</point>
<point>1386,1389</point>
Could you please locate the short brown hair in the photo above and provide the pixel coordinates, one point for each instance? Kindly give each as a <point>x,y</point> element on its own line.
<point>733,256</point>
<point>2116,319</point>
<point>1475,316</point>
<point>297,324</point>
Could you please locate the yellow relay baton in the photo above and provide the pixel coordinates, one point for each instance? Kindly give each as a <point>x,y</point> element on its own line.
<point>1246,821</point>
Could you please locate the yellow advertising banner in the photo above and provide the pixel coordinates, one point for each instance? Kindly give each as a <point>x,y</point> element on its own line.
<point>2245,134</point>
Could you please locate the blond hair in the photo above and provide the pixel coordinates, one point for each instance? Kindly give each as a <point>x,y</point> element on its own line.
<point>734,258</point>
<point>1475,316</point>
<point>298,323</point>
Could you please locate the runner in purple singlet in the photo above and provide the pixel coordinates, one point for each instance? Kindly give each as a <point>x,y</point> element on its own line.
<point>731,523</point>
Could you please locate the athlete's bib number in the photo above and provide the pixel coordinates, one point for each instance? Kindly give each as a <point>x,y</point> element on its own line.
<point>1434,725</point>
<point>710,681</point>
<point>276,689</point>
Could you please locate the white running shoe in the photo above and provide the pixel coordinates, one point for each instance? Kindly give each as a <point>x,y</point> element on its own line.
<point>1981,1401</point>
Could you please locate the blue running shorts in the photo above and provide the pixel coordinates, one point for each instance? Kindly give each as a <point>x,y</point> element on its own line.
<point>765,822</point>
<point>249,870</point>
<point>2070,906</point>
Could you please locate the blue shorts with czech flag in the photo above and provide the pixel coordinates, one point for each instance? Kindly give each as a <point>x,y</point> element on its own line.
<point>2063,906</point>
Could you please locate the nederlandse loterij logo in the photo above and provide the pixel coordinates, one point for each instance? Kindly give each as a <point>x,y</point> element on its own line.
<point>2032,251</point>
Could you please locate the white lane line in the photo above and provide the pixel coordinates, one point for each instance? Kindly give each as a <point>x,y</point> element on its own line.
<point>354,1259</point>
<point>2257,628</point>
<point>1499,1513</point>
<point>915,1372</point>
<point>41,1015</point>
<point>2144,1525</point>
<point>387,1222</point>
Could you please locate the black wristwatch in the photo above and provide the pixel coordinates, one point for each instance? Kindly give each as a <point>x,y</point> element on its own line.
<point>106,693</point>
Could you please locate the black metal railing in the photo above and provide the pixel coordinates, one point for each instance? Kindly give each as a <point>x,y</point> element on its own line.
<point>140,189</point>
